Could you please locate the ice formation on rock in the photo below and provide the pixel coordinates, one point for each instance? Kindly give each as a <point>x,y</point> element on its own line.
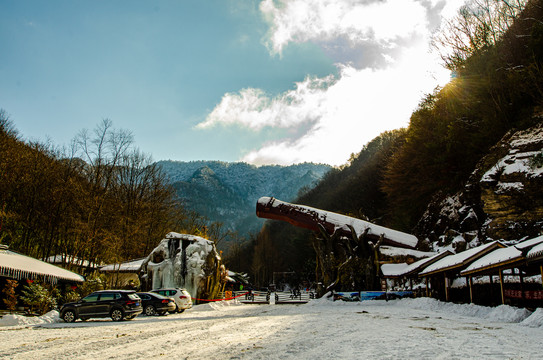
<point>182,261</point>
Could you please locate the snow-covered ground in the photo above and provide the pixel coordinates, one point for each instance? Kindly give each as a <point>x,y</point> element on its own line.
<point>410,328</point>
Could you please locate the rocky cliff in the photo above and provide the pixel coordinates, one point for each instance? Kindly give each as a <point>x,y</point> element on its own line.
<point>503,198</point>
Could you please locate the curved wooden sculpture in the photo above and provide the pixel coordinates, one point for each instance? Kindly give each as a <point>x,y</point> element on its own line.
<point>346,247</point>
<point>310,218</point>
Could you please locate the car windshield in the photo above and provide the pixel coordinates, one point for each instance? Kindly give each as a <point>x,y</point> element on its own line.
<point>133,297</point>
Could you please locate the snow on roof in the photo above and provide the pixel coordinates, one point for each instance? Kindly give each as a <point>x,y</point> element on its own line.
<point>70,259</point>
<point>535,252</point>
<point>343,221</point>
<point>495,258</point>
<point>526,244</point>
<point>396,251</point>
<point>414,267</point>
<point>500,257</point>
<point>393,270</point>
<point>128,266</point>
<point>175,235</point>
<point>460,259</point>
<point>15,265</point>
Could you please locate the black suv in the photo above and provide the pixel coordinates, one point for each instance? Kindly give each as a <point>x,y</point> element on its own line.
<point>117,304</point>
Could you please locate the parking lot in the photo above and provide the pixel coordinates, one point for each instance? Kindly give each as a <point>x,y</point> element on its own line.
<point>318,330</point>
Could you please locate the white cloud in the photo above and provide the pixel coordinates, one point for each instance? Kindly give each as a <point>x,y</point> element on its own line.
<point>327,20</point>
<point>345,112</point>
<point>359,106</point>
<point>253,108</point>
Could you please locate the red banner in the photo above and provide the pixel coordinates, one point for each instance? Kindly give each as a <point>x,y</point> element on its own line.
<point>529,294</point>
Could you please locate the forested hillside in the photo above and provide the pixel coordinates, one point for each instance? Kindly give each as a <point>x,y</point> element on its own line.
<point>101,200</point>
<point>495,52</point>
<point>226,192</point>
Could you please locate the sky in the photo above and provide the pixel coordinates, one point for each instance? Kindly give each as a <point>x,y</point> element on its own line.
<point>260,81</point>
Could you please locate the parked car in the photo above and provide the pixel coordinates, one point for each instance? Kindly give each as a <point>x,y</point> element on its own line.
<point>117,304</point>
<point>154,304</point>
<point>182,297</point>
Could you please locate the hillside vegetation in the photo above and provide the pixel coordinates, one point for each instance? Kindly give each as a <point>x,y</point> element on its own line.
<point>227,192</point>
<point>102,200</point>
<point>495,50</point>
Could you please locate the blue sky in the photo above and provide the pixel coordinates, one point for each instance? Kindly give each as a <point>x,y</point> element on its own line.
<point>233,80</point>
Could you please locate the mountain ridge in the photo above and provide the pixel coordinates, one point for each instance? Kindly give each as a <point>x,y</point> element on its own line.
<point>227,192</point>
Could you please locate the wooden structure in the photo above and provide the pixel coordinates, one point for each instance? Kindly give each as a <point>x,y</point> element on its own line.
<point>332,223</point>
<point>346,247</point>
<point>449,267</point>
<point>411,271</point>
<point>123,274</point>
<point>510,258</point>
<point>17,266</point>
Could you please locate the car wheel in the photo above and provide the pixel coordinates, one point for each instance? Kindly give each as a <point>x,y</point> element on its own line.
<point>117,314</point>
<point>150,310</point>
<point>69,316</point>
<point>180,310</point>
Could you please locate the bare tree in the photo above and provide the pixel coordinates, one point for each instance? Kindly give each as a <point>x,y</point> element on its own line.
<point>478,25</point>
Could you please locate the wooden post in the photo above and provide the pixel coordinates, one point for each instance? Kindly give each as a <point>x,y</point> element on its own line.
<point>491,285</point>
<point>470,283</point>
<point>501,286</point>
<point>446,287</point>
<point>521,276</point>
<point>428,284</point>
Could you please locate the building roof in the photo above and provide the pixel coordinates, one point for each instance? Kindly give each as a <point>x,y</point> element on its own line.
<point>496,259</point>
<point>460,260</point>
<point>132,266</point>
<point>70,259</point>
<point>391,270</point>
<point>535,253</point>
<point>509,256</point>
<point>18,266</point>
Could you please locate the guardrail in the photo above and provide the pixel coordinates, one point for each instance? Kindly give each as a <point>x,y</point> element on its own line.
<point>295,297</point>
<point>264,297</point>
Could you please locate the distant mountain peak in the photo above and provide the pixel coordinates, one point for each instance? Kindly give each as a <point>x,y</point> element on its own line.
<point>227,192</point>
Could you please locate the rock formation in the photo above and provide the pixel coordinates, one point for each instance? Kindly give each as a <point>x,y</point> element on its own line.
<point>501,200</point>
<point>184,261</point>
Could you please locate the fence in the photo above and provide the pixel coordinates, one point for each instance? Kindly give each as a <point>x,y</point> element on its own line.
<point>264,297</point>
<point>295,297</point>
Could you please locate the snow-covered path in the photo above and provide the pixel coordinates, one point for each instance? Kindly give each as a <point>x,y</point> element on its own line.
<point>420,328</point>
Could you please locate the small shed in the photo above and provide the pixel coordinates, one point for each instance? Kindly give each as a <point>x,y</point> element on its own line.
<point>17,266</point>
<point>450,266</point>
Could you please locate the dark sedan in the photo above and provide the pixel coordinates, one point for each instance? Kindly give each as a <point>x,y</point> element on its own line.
<point>154,304</point>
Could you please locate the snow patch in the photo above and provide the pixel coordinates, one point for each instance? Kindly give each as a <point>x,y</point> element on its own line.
<point>20,320</point>
<point>534,320</point>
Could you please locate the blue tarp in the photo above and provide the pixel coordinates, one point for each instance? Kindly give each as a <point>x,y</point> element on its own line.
<point>371,295</point>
